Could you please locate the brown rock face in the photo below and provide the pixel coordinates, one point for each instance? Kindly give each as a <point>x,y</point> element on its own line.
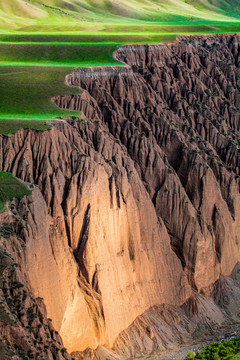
<point>137,205</point>
<point>25,330</point>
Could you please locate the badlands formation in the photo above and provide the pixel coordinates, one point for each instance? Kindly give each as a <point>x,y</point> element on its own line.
<point>130,241</point>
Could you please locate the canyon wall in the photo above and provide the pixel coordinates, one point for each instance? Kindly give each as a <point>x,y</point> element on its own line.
<point>132,230</point>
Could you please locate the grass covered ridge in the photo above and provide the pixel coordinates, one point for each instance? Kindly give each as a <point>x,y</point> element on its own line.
<point>11,187</point>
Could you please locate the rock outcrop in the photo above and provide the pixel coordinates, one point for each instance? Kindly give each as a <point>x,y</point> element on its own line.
<point>133,227</point>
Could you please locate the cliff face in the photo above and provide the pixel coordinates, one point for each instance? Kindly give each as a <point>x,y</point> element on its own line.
<point>25,329</point>
<point>136,205</point>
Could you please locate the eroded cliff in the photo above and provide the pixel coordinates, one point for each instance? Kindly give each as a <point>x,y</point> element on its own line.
<point>132,229</point>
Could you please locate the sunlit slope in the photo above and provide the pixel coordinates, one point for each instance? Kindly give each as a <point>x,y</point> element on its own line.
<point>13,13</point>
<point>30,15</point>
<point>150,9</point>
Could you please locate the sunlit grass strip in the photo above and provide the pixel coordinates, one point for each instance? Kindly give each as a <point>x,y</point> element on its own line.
<point>53,64</point>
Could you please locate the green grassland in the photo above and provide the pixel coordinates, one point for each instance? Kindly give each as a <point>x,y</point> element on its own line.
<point>32,72</point>
<point>10,126</point>
<point>26,92</point>
<point>10,187</point>
<point>55,54</point>
<point>95,15</point>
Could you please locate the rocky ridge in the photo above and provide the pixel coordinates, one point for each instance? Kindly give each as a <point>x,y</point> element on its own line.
<point>132,229</point>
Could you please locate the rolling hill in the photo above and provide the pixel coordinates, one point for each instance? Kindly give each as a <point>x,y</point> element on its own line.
<point>50,15</point>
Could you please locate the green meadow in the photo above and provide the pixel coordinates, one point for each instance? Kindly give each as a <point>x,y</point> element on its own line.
<point>26,92</point>
<point>32,73</point>
<point>89,16</point>
<point>33,70</point>
<point>56,54</point>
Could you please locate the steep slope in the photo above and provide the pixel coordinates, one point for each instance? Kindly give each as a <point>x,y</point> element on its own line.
<point>87,224</point>
<point>25,330</point>
<point>132,230</point>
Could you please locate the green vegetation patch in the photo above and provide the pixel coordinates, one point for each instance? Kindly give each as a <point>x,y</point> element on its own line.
<point>236,357</point>
<point>32,73</point>
<point>87,15</point>
<point>54,54</point>
<point>26,93</point>
<point>10,188</point>
<point>114,36</point>
<point>11,126</point>
<point>226,350</point>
